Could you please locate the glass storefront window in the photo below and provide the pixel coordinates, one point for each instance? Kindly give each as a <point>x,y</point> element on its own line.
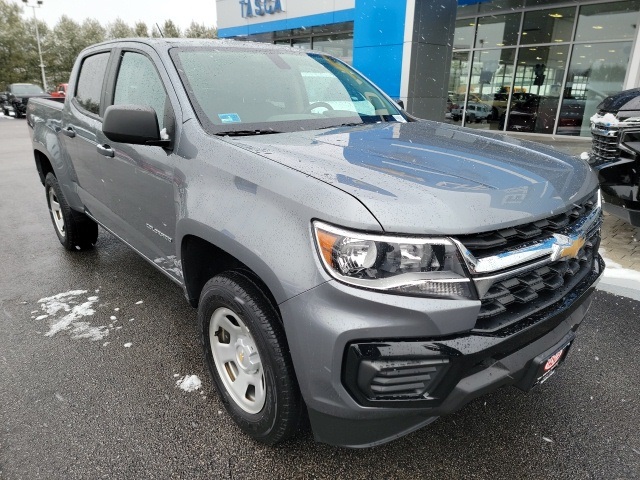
<point>547,26</point>
<point>490,84</point>
<point>597,70</point>
<point>303,43</point>
<point>608,20</point>
<point>537,88</point>
<point>458,80</point>
<point>497,5</point>
<point>539,3</point>
<point>467,9</point>
<point>340,46</point>
<point>464,34</point>
<point>498,31</point>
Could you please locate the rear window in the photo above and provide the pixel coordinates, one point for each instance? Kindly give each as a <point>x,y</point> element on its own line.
<point>89,89</point>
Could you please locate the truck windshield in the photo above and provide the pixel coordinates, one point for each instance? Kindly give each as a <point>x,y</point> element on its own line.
<point>26,90</point>
<point>236,89</point>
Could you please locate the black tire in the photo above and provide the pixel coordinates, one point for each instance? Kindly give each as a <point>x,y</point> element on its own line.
<point>74,229</point>
<point>280,415</point>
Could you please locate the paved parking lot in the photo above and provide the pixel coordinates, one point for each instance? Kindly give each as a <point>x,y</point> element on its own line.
<point>101,398</point>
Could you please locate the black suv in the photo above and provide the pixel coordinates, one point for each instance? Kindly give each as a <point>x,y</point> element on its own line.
<point>17,96</point>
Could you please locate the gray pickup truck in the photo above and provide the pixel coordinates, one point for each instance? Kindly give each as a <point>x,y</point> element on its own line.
<point>348,262</point>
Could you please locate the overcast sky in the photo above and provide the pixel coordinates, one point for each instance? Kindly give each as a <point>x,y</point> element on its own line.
<point>182,12</point>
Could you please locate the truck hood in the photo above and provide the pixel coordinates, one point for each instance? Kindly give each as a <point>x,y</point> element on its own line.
<point>429,177</point>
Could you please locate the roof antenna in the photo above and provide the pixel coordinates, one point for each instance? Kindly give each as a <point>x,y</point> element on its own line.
<point>158,27</point>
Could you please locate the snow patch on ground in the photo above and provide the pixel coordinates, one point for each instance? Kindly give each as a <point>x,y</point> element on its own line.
<point>65,311</point>
<point>69,312</point>
<point>189,383</point>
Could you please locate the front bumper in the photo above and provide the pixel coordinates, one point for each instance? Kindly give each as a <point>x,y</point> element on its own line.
<point>332,329</point>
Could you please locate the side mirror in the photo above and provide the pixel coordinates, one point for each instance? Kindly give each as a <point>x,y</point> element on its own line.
<point>401,103</point>
<point>133,124</point>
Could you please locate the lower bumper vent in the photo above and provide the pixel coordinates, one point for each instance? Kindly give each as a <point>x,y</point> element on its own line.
<point>399,380</point>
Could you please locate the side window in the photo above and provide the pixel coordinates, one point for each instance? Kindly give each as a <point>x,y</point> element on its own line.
<point>138,83</point>
<point>89,87</point>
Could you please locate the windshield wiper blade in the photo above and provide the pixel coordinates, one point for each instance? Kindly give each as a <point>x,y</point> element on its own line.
<point>351,124</point>
<point>240,133</point>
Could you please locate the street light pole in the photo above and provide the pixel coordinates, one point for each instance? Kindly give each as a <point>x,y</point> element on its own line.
<point>35,20</point>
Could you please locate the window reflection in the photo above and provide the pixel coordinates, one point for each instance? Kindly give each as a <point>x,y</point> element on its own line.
<point>340,46</point>
<point>609,20</point>
<point>491,79</point>
<point>537,88</point>
<point>464,34</point>
<point>458,79</point>
<point>546,26</point>
<point>497,5</point>
<point>498,30</point>
<point>597,70</point>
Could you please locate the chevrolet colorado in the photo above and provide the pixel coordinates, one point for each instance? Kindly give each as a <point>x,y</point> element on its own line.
<point>348,261</point>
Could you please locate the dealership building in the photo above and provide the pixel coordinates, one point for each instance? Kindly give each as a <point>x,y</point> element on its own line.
<point>538,66</point>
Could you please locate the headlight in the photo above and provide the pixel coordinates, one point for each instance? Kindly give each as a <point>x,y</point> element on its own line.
<point>425,267</point>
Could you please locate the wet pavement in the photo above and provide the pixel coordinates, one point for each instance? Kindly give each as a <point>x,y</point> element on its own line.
<point>91,402</point>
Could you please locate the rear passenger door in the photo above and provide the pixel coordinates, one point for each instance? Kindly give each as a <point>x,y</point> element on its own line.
<point>139,178</point>
<point>81,122</point>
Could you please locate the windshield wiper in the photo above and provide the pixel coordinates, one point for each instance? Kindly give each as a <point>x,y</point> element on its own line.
<point>240,133</point>
<point>351,124</point>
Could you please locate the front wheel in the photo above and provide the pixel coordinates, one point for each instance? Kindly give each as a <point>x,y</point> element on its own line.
<point>246,352</point>
<point>75,230</point>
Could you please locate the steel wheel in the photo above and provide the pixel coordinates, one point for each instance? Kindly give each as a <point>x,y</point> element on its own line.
<point>237,360</point>
<point>56,212</point>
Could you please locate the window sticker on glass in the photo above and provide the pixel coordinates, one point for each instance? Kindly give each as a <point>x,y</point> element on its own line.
<point>229,117</point>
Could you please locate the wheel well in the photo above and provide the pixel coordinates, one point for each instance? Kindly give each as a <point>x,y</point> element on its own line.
<point>43,165</point>
<point>202,260</point>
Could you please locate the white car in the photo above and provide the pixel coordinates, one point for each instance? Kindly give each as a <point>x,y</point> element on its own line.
<point>476,112</point>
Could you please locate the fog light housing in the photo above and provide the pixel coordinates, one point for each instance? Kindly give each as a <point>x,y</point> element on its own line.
<point>393,372</point>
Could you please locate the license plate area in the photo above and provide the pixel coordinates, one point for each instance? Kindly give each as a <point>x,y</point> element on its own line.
<point>544,366</point>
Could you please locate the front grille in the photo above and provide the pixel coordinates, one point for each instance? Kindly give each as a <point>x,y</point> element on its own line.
<point>604,144</point>
<point>515,298</point>
<point>511,296</point>
<point>500,241</point>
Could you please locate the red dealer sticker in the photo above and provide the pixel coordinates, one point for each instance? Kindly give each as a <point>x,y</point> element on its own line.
<point>553,361</point>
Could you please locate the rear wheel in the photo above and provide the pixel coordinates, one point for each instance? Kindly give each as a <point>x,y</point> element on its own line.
<point>75,230</point>
<point>246,352</point>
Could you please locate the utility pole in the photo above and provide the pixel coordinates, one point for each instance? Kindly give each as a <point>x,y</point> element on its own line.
<point>35,20</point>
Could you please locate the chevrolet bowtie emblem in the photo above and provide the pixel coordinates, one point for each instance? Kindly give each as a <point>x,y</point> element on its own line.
<point>567,247</point>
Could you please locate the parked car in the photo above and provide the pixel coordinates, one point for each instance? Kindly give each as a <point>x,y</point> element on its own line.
<point>348,262</point>
<point>60,91</point>
<point>615,153</point>
<point>475,112</point>
<point>6,106</point>
<point>18,94</point>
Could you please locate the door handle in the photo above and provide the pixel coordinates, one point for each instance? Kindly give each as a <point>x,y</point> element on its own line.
<point>105,150</point>
<point>69,132</point>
